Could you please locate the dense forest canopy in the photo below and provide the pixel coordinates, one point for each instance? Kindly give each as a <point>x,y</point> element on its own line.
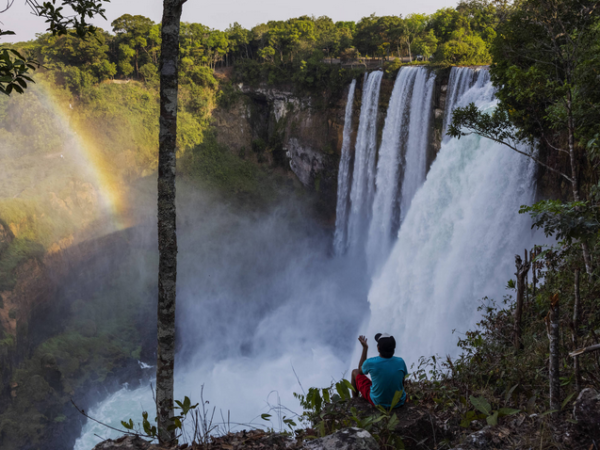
<point>460,35</point>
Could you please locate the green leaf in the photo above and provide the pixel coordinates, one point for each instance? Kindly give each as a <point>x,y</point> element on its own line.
<point>326,396</point>
<point>349,385</point>
<point>481,404</point>
<point>265,416</point>
<point>393,423</point>
<point>510,393</point>
<point>567,400</point>
<point>342,390</point>
<point>493,419</point>
<point>396,399</point>
<point>502,412</point>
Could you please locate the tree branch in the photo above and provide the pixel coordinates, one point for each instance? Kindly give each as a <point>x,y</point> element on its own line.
<point>82,412</point>
<point>512,147</point>
<point>584,350</point>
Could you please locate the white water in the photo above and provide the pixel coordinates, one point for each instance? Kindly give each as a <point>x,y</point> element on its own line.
<point>456,244</point>
<point>402,154</point>
<point>341,218</point>
<point>461,79</point>
<point>365,154</point>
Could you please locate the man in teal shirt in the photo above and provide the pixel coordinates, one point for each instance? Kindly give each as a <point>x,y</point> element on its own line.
<point>387,373</point>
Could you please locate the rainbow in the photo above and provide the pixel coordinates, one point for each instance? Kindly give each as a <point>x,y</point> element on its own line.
<point>104,172</point>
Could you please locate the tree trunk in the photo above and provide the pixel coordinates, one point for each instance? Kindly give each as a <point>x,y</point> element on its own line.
<point>534,255</point>
<point>575,176</point>
<point>576,314</point>
<point>167,236</point>
<point>553,331</point>
<point>521,273</point>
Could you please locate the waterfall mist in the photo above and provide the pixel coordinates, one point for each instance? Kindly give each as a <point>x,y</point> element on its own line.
<point>260,300</point>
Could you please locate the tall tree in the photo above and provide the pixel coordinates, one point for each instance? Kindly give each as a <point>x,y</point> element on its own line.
<point>167,217</point>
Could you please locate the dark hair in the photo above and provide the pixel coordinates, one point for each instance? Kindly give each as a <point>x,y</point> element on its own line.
<point>385,345</point>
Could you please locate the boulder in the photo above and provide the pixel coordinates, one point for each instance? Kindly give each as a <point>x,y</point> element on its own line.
<point>487,438</point>
<point>414,422</point>
<point>345,439</point>
<point>587,413</point>
<point>126,443</point>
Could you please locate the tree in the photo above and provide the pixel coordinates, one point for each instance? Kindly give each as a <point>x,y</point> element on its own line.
<point>538,58</point>
<point>426,45</point>
<point>132,34</point>
<point>15,69</point>
<point>167,217</point>
<point>414,28</point>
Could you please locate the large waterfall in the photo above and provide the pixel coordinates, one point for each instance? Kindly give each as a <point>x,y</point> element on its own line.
<point>457,241</point>
<point>265,311</point>
<point>365,154</point>
<point>341,217</point>
<point>402,153</point>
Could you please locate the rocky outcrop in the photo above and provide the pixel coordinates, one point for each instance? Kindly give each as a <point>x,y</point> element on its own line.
<point>302,134</point>
<point>126,443</point>
<point>587,413</point>
<point>346,439</point>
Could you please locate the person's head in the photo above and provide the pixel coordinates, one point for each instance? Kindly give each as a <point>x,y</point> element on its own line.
<point>386,345</point>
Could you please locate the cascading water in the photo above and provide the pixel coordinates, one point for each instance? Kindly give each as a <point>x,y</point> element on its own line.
<point>403,149</point>
<point>416,152</point>
<point>461,79</point>
<point>456,244</point>
<point>363,177</point>
<point>341,218</point>
<point>249,323</point>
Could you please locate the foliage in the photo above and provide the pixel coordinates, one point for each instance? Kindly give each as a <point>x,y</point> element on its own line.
<point>14,69</point>
<point>328,410</point>
<point>579,221</point>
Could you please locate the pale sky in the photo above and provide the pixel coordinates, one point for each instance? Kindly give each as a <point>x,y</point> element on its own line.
<point>220,13</point>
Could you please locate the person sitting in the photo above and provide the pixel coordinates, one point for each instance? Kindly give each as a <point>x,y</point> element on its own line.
<point>386,370</point>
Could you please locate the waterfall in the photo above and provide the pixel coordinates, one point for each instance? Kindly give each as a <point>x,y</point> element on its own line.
<point>363,177</point>
<point>457,241</point>
<point>403,149</point>
<point>461,79</point>
<point>341,218</point>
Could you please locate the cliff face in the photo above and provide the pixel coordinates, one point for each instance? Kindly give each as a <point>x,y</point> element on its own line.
<point>303,134</point>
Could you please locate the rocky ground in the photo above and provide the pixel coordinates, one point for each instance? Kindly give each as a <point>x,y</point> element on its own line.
<point>418,428</point>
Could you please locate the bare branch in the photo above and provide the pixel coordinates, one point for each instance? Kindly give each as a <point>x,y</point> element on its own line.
<point>9,3</point>
<point>530,156</point>
<point>82,412</point>
<point>584,350</point>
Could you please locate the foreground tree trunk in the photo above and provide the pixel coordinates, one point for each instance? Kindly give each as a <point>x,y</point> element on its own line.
<point>553,331</point>
<point>167,235</point>
<point>576,314</point>
<point>521,273</point>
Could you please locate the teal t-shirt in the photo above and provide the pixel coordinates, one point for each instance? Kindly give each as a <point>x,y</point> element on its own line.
<point>387,375</point>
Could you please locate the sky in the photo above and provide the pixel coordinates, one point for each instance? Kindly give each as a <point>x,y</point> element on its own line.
<point>221,13</point>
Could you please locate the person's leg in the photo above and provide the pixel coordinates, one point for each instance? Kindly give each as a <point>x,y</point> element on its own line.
<point>355,392</point>
<point>363,385</point>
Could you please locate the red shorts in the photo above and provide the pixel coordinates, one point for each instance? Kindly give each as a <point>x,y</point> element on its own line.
<point>363,383</point>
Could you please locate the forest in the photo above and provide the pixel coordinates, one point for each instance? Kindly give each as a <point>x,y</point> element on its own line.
<point>519,376</point>
<point>296,50</point>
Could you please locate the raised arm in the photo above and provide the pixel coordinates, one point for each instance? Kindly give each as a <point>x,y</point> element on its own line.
<point>365,349</point>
